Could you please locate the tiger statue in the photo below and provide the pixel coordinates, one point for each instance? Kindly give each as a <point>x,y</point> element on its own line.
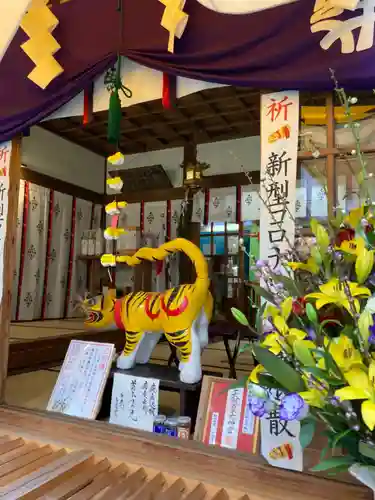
<point>182,313</point>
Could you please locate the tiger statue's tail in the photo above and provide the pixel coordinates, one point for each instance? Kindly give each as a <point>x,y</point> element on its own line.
<point>202,282</point>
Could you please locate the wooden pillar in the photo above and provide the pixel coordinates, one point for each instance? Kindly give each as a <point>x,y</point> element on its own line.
<point>187,229</point>
<point>9,260</point>
<point>331,165</point>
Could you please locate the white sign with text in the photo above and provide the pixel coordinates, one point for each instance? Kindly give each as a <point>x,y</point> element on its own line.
<point>280,444</point>
<point>5,155</point>
<point>135,401</point>
<point>279,147</point>
<point>79,388</point>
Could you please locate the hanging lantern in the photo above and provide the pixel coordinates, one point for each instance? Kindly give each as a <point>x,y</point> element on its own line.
<point>193,173</point>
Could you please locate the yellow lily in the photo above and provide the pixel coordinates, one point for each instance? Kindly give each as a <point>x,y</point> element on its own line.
<point>271,311</point>
<point>314,397</point>
<point>345,355</point>
<point>311,266</point>
<point>295,334</point>
<point>274,343</point>
<point>284,310</point>
<point>361,386</point>
<point>333,292</point>
<point>364,264</point>
<point>355,216</point>
<point>254,375</point>
<point>352,247</point>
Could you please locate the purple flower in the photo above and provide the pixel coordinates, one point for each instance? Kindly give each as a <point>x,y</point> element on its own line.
<point>257,406</point>
<point>371,338</point>
<point>311,334</point>
<point>292,407</point>
<point>260,263</point>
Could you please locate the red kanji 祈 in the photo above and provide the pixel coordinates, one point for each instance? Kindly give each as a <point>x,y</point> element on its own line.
<point>277,107</point>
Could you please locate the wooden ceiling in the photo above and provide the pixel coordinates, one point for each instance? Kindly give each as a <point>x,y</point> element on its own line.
<point>207,116</point>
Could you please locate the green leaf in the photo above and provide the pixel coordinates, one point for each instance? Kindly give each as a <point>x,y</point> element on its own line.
<point>337,470</point>
<point>288,283</point>
<point>259,317</point>
<point>340,436</point>
<point>311,313</point>
<point>307,433</point>
<point>262,292</point>
<point>269,382</point>
<point>367,450</point>
<point>239,316</point>
<point>319,373</point>
<point>244,348</point>
<point>326,321</point>
<point>240,383</point>
<point>279,369</point>
<point>303,353</point>
<point>332,463</point>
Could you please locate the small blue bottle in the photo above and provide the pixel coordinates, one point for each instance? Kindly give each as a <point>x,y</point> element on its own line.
<point>159,427</point>
<point>170,426</point>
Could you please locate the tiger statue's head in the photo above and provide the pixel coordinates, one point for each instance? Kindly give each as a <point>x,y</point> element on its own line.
<point>99,311</point>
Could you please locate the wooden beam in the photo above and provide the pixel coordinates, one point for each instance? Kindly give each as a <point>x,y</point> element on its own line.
<point>211,181</point>
<point>331,167</point>
<point>207,464</point>
<point>8,261</point>
<point>57,185</point>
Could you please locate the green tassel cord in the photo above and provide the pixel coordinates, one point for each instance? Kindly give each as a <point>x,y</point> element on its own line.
<point>114,110</point>
<point>114,118</point>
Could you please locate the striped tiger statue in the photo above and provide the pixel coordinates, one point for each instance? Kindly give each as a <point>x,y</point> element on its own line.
<point>182,313</point>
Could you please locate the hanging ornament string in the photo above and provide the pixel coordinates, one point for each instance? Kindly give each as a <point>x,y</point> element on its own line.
<point>114,85</point>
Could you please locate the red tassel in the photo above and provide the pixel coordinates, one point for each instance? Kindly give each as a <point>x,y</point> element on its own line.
<point>169,91</point>
<point>88,104</point>
<point>159,267</point>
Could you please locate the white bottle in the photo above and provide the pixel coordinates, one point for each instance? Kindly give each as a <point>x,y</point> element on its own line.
<point>99,242</point>
<point>84,246</point>
<point>91,243</point>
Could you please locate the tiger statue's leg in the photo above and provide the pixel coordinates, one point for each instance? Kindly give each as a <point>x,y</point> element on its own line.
<point>146,347</point>
<point>127,358</point>
<point>204,320</point>
<point>188,343</point>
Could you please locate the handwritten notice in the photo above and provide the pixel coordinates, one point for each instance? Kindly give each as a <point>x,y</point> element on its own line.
<point>280,444</point>
<point>80,385</point>
<point>279,145</point>
<point>5,154</point>
<point>135,401</point>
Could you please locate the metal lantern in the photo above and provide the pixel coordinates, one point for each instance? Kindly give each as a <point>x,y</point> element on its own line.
<point>193,173</point>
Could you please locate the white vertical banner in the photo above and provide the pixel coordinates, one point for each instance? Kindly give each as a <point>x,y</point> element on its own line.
<point>16,272</point>
<point>280,443</point>
<point>5,154</point>
<point>222,205</point>
<point>279,146</point>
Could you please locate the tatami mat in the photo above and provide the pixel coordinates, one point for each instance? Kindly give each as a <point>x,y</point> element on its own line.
<point>44,329</point>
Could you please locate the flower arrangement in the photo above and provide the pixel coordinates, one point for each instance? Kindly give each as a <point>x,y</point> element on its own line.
<point>315,333</point>
<point>318,339</point>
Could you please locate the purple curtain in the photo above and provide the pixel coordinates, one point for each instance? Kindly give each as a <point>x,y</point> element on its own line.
<point>269,49</point>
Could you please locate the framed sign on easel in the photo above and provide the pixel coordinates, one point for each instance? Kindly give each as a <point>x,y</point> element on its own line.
<point>224,418</point>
